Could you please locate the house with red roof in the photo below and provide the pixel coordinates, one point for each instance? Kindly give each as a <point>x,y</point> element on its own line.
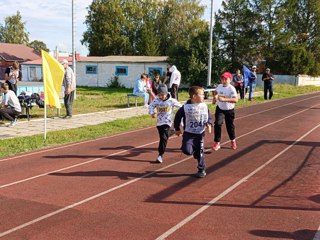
<point>10,52</point>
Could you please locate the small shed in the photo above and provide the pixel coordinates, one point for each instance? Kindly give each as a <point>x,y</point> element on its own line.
<point>101,71</point>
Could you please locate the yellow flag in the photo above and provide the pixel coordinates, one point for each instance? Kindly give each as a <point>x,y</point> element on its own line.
<point>53,74</point>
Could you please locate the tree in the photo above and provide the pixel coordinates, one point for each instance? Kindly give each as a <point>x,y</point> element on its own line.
<point>14,30</point>
<point>238,29</point>
<point>192,60</point>
<point>38,45</point>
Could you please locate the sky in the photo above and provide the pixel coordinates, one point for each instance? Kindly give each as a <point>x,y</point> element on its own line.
<point>51,21</point>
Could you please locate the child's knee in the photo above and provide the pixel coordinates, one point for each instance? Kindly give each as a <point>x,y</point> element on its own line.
<point>187,151</point>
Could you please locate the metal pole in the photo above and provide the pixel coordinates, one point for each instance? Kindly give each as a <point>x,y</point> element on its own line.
<point>210,46</point>
<point>73,40</point>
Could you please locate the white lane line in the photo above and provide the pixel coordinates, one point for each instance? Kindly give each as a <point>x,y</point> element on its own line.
<point>144,145</point>
<point>73,166</point>
<point>75,144</point>
<point>71,145</point>
<point>317,236</point>
<point>136,180</point>
<point>280,106</point>
<point>230,189</point>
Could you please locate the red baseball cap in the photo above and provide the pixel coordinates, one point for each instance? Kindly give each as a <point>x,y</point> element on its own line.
<point>226,75</point>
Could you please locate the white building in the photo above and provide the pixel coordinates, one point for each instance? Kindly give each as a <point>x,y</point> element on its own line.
<point>100,71</point>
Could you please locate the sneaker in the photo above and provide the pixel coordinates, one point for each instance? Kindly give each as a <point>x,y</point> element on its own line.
<point>233,144</point>
<point>67,117</point>
<point>13,123</point>
<point>216,146</point>
<point>201,174</point>
<point>159,159</point>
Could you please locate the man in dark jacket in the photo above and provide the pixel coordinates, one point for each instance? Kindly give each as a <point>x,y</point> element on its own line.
<point>267,79</point>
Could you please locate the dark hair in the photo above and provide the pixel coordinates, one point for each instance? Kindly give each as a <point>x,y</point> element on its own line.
<point>194,90</point>
<point>5,86</point>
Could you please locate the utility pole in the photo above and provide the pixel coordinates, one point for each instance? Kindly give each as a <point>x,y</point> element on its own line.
<point>210,46</point>
<point>73,40</point>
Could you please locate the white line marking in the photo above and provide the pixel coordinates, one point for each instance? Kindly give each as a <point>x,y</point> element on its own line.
<point>151,173</point>
<point>230,189</point>
<point>317,236</point>
<point>75,144</point>
<point>72,144</point>
<point>144,145</point>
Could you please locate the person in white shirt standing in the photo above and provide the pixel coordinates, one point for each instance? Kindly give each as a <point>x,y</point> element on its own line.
<point>175,80</point>
<point>225,96</point>
<point>10,108</point>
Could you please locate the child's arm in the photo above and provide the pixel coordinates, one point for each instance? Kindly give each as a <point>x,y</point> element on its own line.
<point>151,108</point>
<point>177,120</point>
<point>214,97</point>
<point>209,124</point>
<point>177,104</point>
<point>233,99</point>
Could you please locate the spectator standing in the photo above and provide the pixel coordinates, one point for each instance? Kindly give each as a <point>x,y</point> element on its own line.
<point>155,84</point>
<point>140,89</point>
<point>252,82</point>
<point>238,83</point>
<point>267,79</point>
<point>149,89</point>
<point>196,117</point>
<point>69,83</point>
<point>10,108</point>
<point>164,106</point>
<point>225,96</point>
<point>175,80</point>
<point>168,76</point>
<point>12,76</point>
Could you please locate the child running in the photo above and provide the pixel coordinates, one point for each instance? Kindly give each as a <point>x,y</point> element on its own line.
<point>164,105</point>
<point>225,96</point>
<point>196,117</point>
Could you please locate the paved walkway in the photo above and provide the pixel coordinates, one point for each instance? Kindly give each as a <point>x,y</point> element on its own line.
<point>36,126</point>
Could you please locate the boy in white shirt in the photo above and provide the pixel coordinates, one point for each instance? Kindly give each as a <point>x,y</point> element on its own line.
<point>164,105</point>
<point>225,96</point>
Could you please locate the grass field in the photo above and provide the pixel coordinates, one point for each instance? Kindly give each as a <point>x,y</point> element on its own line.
<point>102,99</point>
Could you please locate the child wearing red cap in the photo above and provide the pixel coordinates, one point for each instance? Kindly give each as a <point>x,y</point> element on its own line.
<point>225,96</point>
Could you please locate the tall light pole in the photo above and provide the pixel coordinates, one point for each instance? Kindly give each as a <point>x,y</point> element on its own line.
<point>73,40</point>
<point>210,46</point>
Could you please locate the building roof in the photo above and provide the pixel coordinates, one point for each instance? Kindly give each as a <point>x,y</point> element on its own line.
<point>17,52</point>
<point>39,61</point>
<point>125,59</point>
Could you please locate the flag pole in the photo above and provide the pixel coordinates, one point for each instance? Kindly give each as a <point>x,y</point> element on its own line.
<point>45,122</point>
<point>210,47</point>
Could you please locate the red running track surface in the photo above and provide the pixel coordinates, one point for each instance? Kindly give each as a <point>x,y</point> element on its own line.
<point>111,188</point>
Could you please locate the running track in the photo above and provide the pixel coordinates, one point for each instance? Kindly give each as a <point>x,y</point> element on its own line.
<point>110,188</point>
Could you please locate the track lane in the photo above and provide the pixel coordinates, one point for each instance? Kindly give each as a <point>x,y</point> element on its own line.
<point>188,166</point>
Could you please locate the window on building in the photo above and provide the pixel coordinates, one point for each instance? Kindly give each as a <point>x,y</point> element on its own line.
<point>91,69</point>
<point>33,73</point>
<point>121,71</point>
<point>153,71</point>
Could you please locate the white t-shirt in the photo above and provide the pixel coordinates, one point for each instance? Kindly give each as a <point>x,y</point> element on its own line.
<point>164,110</point>
<point>196,117</point>
<point>12,100</point>
<point>228,92</point>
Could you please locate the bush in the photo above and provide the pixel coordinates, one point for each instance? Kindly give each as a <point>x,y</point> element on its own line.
<point>114,82</point>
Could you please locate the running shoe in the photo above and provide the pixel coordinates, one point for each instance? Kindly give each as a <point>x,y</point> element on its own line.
<point>216,146</point>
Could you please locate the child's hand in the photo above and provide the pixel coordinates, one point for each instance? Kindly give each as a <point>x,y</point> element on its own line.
<point>178,133</point>
<point>222,98</point>
<point>153,115</point>
<point>209,128</point>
